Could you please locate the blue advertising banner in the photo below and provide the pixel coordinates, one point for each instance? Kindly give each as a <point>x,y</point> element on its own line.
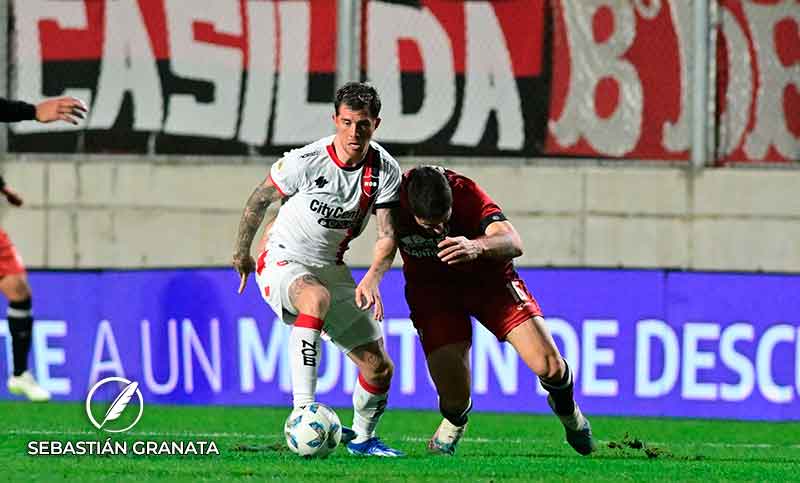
<point>648,343</point>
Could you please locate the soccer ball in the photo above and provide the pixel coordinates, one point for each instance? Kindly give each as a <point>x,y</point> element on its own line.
<point>313,431</point>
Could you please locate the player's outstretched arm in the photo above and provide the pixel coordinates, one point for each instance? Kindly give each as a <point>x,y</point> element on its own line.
<point>500,242</point>
<point>367,293</point>
<point>14,111</point>
<point>265,194</point>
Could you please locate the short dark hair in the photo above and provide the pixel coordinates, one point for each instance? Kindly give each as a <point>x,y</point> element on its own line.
<point>358,96</point>
<point>429,193</point>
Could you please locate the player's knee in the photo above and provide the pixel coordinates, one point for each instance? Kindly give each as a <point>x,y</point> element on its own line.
<point>314,302</point>
<point>20,291</point>
<point>322,301</point>
<point>382,372</point>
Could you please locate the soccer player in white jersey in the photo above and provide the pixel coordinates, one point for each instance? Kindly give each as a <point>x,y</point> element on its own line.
<point>329,189</point>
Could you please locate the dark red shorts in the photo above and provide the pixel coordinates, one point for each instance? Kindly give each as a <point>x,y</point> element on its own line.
<point>441,314</point>
<point>10,261</point>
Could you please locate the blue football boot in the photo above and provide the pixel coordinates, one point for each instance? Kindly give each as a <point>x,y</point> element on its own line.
<point>373,447</point>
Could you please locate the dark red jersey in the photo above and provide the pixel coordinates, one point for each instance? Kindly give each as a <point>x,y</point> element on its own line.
<point>473,211</point>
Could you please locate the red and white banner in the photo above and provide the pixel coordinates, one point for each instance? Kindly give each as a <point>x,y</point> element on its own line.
<point>621,72</point>
<point>207,76</point>
<point>622,84</point>
<point>758,81</point>
<point>576,78</point>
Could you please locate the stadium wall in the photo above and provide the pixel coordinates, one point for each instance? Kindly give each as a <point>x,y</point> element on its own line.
<point>131,212</point>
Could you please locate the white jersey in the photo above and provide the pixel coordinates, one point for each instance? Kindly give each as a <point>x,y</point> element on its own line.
<point>329,202</point>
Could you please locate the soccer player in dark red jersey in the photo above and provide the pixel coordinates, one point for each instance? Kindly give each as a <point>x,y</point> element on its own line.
<point>457,249</point>
<point>13,280</point>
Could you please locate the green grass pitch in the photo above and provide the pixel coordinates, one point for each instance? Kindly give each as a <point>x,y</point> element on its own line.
<point>497,447</point>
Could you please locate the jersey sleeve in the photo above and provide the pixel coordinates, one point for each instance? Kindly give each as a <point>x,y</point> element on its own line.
<point>287,174</point>
<point>389,194</point>
<point>478,207</point>
<point>13,111</point>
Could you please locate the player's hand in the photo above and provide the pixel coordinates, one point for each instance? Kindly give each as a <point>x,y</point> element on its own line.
<point>12,196</point>
<point>459,250</point>
<point>368,295</point>
<point>243,264</point>
<point>68,109</point>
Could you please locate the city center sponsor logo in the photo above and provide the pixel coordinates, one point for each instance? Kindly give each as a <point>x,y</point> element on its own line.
<point>333,217</point>
<point>121,415</point>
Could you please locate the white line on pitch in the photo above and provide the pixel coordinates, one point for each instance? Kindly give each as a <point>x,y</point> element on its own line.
<point>272,437</point>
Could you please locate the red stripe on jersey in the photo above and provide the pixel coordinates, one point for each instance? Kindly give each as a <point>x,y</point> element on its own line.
<point>334,157</point>
<point>260,263</point>
<point>276,186</point>
<point>349,167</point>
<point>369,186</point>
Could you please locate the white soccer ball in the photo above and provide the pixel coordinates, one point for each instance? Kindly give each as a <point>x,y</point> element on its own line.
<point>313,431</point>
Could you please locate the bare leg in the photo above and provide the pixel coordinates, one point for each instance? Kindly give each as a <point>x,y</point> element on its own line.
<point>374,364</point>
<point>538,350</point>
<point>536,347</point>
<point>450,370</point>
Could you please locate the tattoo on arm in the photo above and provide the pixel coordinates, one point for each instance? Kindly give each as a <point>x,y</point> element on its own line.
<point>253,214</point>
<point>386,243</point>
<point>387,220</point>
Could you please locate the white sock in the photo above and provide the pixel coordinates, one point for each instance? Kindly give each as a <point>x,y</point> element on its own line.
<point>369,403</point>
<point>304,356</point>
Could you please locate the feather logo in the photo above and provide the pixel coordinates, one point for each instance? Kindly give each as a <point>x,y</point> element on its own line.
<point>120,403</point>
<point>118,406</point>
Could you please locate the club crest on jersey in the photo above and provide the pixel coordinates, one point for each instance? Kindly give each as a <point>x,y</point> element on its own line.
<point>370,185</point>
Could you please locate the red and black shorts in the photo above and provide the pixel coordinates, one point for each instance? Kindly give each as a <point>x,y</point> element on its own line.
<point>10,261</point>
<point>441,313</point>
